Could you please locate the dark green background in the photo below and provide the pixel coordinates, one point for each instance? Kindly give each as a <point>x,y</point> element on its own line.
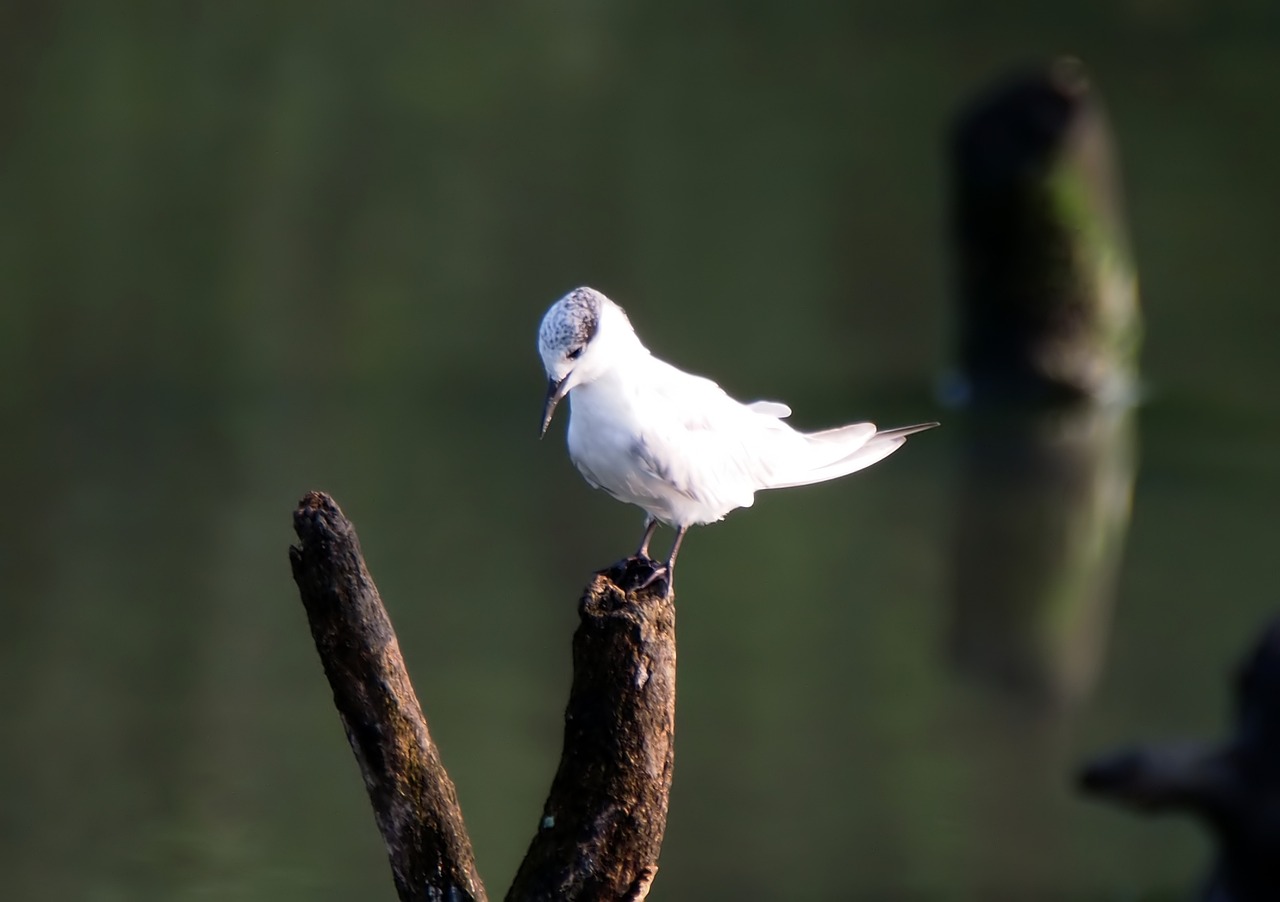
<point>248,250</point>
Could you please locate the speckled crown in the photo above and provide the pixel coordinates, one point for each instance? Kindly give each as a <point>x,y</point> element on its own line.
<point>573,320</point>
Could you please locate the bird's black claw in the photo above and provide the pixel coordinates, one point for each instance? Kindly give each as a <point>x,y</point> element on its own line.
<point>658,572</point>
<point>635,574</point>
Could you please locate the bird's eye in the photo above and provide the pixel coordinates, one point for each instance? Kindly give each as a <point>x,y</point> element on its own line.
<point>575,353</point>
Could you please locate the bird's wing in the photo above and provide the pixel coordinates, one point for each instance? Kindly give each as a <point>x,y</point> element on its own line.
<point>698,401</point>
<point>696,442</point>
<point>703,444</point>
<point>771,409</point>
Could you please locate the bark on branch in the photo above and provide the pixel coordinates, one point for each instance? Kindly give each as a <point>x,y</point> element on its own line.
<point>414,802</point>
<point>603,822</point>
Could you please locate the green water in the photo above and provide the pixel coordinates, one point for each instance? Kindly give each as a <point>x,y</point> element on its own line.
<point>245,254</point>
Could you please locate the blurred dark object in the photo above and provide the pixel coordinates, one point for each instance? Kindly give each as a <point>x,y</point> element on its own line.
<point>1048,334</point>
<point>1047,289</point>
<point>1233,787</point>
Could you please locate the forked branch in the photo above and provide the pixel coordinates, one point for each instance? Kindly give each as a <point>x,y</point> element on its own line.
<point>602,826</point>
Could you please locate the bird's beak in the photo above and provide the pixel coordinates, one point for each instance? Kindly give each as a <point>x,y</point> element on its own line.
<point>555,391</point>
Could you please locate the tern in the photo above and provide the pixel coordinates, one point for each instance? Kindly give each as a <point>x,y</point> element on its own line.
<point>672,443</point>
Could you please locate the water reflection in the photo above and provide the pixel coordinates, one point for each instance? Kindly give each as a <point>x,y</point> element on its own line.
<point>1041,515</point>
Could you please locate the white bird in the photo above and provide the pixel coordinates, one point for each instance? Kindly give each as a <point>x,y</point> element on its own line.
<point>673,443</point>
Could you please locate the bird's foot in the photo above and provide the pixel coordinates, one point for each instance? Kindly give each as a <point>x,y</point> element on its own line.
<point>658,572</point>
<point>635,574</point>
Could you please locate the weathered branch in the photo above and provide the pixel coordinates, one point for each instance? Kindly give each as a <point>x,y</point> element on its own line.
<point>414,802</point>
<point>604,819</point>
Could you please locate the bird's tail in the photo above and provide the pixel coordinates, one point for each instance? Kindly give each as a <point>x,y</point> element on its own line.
<point>838,452</point>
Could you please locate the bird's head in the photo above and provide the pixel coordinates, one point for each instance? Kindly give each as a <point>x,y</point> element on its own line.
<point>578,339</point>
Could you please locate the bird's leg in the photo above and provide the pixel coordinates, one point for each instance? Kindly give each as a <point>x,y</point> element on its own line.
<point>650,526</point>
<point>667,570</point>
<point>675,549</point>
<point>670,565</point>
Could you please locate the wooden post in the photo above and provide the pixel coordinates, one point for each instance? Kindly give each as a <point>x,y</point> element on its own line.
<point>1047,290</point>
<point>602,826</point>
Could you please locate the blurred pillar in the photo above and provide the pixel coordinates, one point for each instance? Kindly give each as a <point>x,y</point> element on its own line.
<point>1048,331</point>
<point>1047,289</point>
